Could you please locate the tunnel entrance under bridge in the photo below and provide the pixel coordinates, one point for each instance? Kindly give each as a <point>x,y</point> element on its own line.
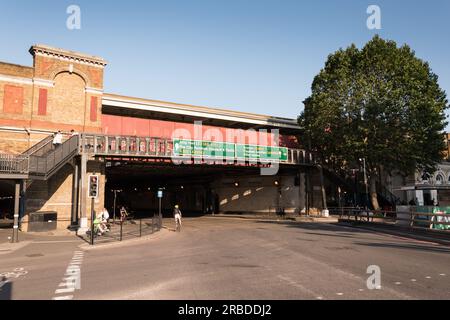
<point>201,189</point>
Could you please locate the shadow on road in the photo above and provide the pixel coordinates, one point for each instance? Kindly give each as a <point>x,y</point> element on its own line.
<point>406,246</point>
<point>5,289</point>
<point>334,230</point>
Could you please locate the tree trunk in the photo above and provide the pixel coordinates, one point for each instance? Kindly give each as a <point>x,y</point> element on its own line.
<point>373,192</point>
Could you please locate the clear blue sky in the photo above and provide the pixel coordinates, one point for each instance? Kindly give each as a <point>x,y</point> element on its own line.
<point>249,55</point>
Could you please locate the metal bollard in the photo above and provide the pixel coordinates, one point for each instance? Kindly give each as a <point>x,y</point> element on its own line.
<point>121,229</point>
<point>140,227</point>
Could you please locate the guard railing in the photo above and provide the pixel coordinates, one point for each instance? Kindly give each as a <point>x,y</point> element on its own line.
<point>438,221</point>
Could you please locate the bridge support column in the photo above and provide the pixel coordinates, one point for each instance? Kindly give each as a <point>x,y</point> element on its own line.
<point>75,194</point>
<point>15,237</point>
<point>83,197</point>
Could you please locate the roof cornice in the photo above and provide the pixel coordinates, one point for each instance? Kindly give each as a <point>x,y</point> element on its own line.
<point>65,55</point>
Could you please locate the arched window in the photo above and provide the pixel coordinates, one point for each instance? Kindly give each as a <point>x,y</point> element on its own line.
<point>425,177</point>
<point>439,179</point>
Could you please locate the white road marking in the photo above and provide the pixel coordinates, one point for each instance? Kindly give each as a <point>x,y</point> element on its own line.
<point>71,279</point>
<point>413,280</point>
<point>63,298</point>
<point>340,294</point>
<point>442,274</point>
<point>428,277</point>
<point>398,283</point>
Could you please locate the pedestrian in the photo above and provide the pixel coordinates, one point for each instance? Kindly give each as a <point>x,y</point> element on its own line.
<point>57,139</point>
<point>177,215</point>
<point>123,214</point>
<point>73,133</point>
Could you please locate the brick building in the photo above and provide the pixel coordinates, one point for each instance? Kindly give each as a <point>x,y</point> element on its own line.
<point>131,141</point>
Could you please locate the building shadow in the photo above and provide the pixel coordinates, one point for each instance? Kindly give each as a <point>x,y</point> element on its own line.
<point>5,290</point>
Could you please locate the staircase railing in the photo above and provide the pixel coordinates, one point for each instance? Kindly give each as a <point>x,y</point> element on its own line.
<point>40,148</point>
<point>47,165</point>
<point>14,164</point>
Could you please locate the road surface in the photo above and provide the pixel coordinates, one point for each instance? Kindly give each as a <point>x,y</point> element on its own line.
<point>229,258</point>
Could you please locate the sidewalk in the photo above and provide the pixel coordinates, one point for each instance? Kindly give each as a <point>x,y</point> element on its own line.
<point>273,217</point>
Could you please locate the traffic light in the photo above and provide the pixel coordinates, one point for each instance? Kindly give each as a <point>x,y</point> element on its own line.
<point>93,186</point>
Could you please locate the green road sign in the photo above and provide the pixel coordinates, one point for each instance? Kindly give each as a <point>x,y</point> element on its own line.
<point>225,150</point>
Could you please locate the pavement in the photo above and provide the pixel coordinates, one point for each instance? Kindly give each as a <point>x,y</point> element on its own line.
<point>232,258</point>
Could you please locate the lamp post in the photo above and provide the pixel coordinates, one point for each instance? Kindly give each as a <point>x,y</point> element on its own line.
<point>115,197</point>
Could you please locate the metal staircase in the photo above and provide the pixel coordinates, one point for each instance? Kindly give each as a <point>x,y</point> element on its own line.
<point>40,162</point>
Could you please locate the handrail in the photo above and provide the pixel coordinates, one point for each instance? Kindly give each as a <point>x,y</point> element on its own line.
<point>413,219</point>
<point>14,164</point>
<point>45,165</point>
<point>41,144</point>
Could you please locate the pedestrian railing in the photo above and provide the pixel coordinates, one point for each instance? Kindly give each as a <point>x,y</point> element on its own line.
<point>411,219</point>
<point>129,228</point>
<point>14,164</point>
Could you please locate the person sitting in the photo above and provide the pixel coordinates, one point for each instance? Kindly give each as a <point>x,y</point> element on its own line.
<point>104,219</point>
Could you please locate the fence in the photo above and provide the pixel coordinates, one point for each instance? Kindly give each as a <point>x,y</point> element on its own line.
<point>438,221</point>
<point>14,164</point>
<point>129,228</point>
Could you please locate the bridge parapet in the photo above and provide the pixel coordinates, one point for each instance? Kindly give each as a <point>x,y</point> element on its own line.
<point>153,147</point>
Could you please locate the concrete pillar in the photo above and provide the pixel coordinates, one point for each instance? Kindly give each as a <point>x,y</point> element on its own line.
<point>83,196</point>
<point>15,237</point>
<point>75,185</point>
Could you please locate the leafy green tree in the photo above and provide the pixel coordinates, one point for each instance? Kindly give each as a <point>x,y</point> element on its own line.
<point>380,103</point>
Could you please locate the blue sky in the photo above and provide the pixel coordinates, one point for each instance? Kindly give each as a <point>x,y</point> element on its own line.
<point>249,55</point>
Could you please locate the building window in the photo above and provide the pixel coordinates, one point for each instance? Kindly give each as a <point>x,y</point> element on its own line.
<point>439,179</point>
<point>42,106</point>
<point>425,177</point>
<point>94,103</point>
<point>13,99</point>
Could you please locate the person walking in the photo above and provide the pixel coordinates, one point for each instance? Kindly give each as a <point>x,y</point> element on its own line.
<point>57,139</point>
<point>177,217</point>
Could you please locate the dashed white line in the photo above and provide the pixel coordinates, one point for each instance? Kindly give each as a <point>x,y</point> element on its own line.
<point>340,294</point>
<point>413,280</point>
<point>398,283</point>
<point>427,277</point>
<point>442,274</point>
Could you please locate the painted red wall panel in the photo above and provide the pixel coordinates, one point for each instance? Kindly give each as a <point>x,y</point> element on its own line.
<point>118,125</point>
<point>111,125</point>
<point>42,105</point>
<point>13,99</point>
<point>94,104</point>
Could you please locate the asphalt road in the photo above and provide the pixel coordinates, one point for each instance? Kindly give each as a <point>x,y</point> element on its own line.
<point>224,258</point>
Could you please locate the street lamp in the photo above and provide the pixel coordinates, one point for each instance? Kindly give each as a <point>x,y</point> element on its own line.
<point>115,197</point>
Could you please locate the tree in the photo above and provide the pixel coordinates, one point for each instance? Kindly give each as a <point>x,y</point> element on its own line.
<point>380,103</point>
